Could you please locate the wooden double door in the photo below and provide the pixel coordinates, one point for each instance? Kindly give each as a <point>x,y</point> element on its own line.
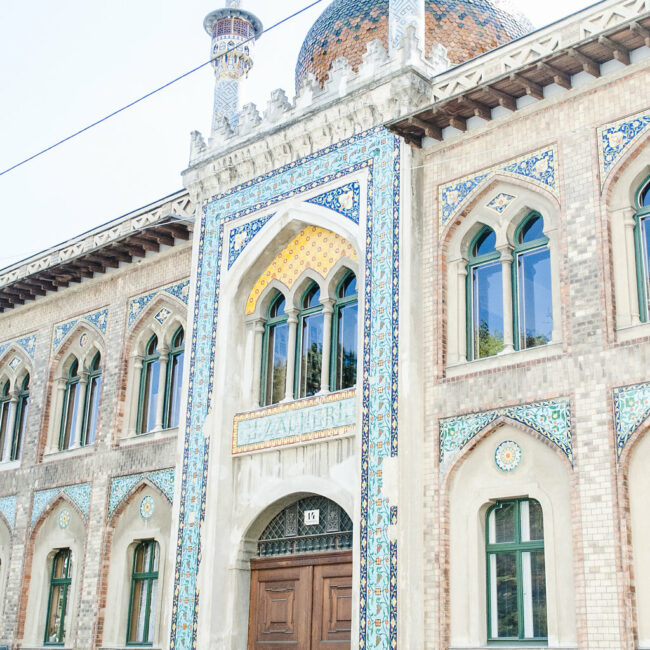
<point>301,602</point>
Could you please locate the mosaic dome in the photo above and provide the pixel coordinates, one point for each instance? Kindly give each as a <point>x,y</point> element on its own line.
<point>465,27</point>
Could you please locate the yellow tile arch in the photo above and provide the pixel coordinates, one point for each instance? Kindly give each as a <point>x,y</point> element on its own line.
<point>312,248</point>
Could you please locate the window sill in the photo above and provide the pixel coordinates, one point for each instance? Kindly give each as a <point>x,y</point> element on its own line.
<point>57,454</point>
<point>7,467</point>
<point>632,332</point>
<point>150,436</point>
<point>504,359</point>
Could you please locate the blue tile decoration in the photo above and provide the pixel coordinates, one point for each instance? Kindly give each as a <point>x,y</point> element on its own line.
<point>551,419</point>
<point>147,507</point>
<point>538,167</point>
<point>240,237</point>
<point>631,409</point>
<point>501,202</point>
<point>98,319</point>
<point>122,485</point>
<point>178,290</point>
<point>163,315</point>
<point>285,424</point>
<point>15,362</point>
<point>78,494</point>
<point>8,510</point>
<point>378,152</point>
<point>616,138</point>
<point>344,200</point>
<point>507,456</point>
<point>27,343</point>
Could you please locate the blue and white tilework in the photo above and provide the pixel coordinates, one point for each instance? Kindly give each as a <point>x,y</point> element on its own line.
<point>551,419</point>
<point>78,494</point>
<point>15,362</point>
<point>344,200</point>
<point>501,202</point>
<point>378,152</point>
<point>163,315</point>
<point>240,237</point>
<point>27,343</point>
<point>616,138</point>
<point>122,485</point>
<point>631,410</point>
<point>98,319</point>
<point>538,167</point>
<point>507,456</point>
<point>147,507</point>
<point>178,290</point>
<point>8,510</point>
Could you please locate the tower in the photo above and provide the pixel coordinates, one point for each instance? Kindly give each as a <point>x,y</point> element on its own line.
<point>233,31</point>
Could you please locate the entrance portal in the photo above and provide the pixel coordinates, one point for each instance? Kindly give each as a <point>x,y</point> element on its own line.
<point>301,585</point>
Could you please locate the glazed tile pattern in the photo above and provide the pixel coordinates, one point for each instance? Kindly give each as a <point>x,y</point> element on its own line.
<point>538,167</point>
<point>551,419</point>
<point>27,343</point>
<point>314,248</point>
<point>631,409</point>
<point>122,486</point>
<point>241,236</point>
<point>507,456</point>
<point>8,510</point>
<point>78,494</point>
<point>378,152</point>
<point>501,202</point>
<point>616,138</point>
<point>300,421</point>
<point>465,27</point>
<point>344,200</point>
<point>98,319</point>
<point>178,290</point>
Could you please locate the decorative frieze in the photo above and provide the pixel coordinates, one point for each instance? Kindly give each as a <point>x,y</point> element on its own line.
<point>78,494</point>
<point>122,486</point>
<point>8,510</point>
<point>344,200</point>
<point>98,319</point>
<point>26,343</point>
<point>631,410</point>
<point>241,236</point>
<point>178,290</point>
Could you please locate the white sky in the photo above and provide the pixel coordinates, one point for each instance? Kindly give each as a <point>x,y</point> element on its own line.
<point>69,62</point>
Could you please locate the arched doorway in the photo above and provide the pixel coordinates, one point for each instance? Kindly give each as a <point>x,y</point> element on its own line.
<point>301,579</point>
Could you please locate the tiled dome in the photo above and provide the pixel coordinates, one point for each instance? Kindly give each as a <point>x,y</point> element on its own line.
<point>465,27</point>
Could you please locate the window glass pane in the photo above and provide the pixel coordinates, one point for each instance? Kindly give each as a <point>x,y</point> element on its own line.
<point>5,437</point>
<point>538,593</point>
<point>277,308</point>
<point>505,597</point>
<point>152,609</point>
<point>346,348</point>
<point>536,520</point>
<point>535,302</point>
<point>312,297</point>
<point>534,229</point>
<point>55,631</point>
<point>276,371</point>
<point>70,416</point>
<point>502,523</point>
<point>485,243</point>
<point>645,244</point>
<point>21,425</point>
<point>645,197</point>
<point>175,389</point>
<point>150,395</point>
<point>311,354</point>
<point>487,310</point>
<point>138,611</point>
<point>349,287</point>
<point>94,389</point>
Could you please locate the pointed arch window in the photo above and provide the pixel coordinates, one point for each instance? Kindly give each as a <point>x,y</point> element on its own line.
<point>20,425</point>
<point>275,353</point>
<point>174,379</point>
<point>60,581</point>
<point>310,356</point>
<point>149,387</point>
<point>71,408</point>
<point>14,406</point>
<point>6,407</point>
<point>91,405</point>
<point>144,587</point>
<point>642,245</point>
<point>344,334</point>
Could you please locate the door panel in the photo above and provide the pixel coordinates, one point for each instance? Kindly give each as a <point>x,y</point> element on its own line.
<point>332,609</point>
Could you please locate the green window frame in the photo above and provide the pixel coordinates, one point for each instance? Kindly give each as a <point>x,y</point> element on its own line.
<point>144,587</point>
<point>642,247</point>
<point>273,375</point>
<point>174,380</point>
<point>344,375</point>
<point>20,423</point>
<point>91,402</point>
<point>481,343</point>
<point>307,381</point>
<point>57,604</point>
<point>515,573</point>
<point>149,390</point>
<point>524,249</point>
<point>71,405</point>
<point>5,419</point>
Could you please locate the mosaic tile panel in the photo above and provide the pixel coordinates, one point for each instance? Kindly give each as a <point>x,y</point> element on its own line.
<point>551,419</point>
<point>178,290</point>
<point>122,485</point>
<point>27,343</point>
<point>98,319</point>
<point>344,200</point>
<point>538,167</point>
<point>378,152</point>
<point>631,409</point>
<point>285,424</point>
<point>241,236</point>
<point>501,202</point>
<point>616,138</point>
<point>78,494</point>
<point>8,510</point>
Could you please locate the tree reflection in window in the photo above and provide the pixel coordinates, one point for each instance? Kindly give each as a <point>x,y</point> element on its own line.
<point>344,334</point>
<point>310,357</point>
<point>276,347</point>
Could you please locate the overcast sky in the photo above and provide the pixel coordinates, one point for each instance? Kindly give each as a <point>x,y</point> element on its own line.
<point>69,62</point>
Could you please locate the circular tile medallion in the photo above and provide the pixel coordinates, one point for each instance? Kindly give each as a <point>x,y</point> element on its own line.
<point>507,455</point>
<point>64,518</point>
<point>147,507</point>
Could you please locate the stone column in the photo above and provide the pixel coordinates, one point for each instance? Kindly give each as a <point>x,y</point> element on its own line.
<point>292,319</point>
<point>11,421</point>
<point>75,434</point>
<point>328,311</point>
<point>258,332</point>
<point>462,324</point>
<point>162,379</point>
<point>629,223</point>
<point>506,284</point>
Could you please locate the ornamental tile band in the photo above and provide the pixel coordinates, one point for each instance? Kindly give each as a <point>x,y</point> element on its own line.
<point>179,290</point>
<point>241,236</point>
<point>551,419</point>
<point>631,409</point>
<point>78,494</point>
<point>344,200</point>
<point>98,319</point>
<point>538,167</point>
<point>616,138</point>
<point>301,421</point>
<point>27,343</point>
<point>122,485</point>
<point>8,510</point>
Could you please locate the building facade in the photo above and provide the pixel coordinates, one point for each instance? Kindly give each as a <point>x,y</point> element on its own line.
<point>413,407</point>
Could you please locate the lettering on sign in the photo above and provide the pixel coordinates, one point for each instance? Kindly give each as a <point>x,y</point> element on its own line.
<point>312,517</point>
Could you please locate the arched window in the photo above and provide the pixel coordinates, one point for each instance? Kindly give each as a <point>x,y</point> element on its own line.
<point>344,334</point>
<point>310,357</point>
<point>13,419</point>
<point>485,297</point>
<point>149,387</point>
<point>71,408</point>
<point>5,421</point>
<point>516,572</point>
<point>57,603</point>
<point>275,353</point>
<point>642,244</point>
<point>532,296</point>
<point>20,425</point>
<point>91,403</point>
<point>173,384</point>
<point>144,585</point>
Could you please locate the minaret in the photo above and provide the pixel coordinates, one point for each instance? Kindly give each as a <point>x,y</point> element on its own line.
<point>230,29</point>
<point>401,14</point>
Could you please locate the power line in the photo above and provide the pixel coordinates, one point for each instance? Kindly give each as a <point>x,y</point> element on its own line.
<point>153,92</point>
